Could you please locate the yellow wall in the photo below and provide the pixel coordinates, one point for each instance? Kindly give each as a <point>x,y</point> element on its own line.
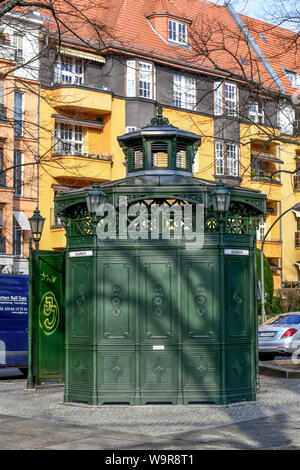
<point>77,171</point>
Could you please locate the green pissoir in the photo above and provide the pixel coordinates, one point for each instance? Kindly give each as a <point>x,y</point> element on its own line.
<point>156,318</point>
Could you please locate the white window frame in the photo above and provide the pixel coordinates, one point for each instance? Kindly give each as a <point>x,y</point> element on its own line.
<point>227,159</point>
<point>130,129</point>
<point>145,80</point>
<point>225,98</point>
<point>261,230</point>
<point>140,79</point>
<point>232,159</point>
<point>177,32</point>
<point>69,69</point>
<point>230,91</point>
<point>21,115</point>
<point>184,91</point>
<point>17,42</point>
<point>256,112</point>
<point>69,139</point>
<point>219,158</point>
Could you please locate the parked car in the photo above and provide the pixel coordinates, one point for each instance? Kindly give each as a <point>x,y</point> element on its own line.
<point>279,335</point>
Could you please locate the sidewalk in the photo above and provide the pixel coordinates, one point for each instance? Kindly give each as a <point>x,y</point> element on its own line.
<point>40,420</point>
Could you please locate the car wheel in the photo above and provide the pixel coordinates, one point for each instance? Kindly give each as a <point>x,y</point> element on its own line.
<point>24,371</point>
<point>267,356</point>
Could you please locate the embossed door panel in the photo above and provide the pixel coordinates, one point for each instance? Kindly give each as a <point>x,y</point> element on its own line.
<point>240,371</point>
<point>117,301</point>
<point>237,307</point>
<point>81,300</point>
<point>159,370</point>
<point>202,370</point>
<point>157,300</point>
<point>199,300</point>
<point>48,317</point>
<point>118,369</point>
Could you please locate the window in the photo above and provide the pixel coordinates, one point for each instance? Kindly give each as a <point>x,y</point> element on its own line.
<point>225,98</point>
<point>177,32</point>
<point>232,160</point>
<point>18,172</point>
<point>17,238</point>
<point>293,77</point>
<point>69,70</point>
<point>181,156</point>
<point>263,36</point>
<point>286,117</point>
<point>226,159</point>
<point>19,114</point>
<point>17,42</point>
<point>184,91</point>
<point>2,238</point>
<point>68,139</point>
<point>219,158</point>
<point>2,175</point>
<point>256,113</point>
<point>2,108</point>
<point>140,79</point>
<point>261,230</point>
<point>130,129</point>
<point>159,154</point>
<point>1,93</point>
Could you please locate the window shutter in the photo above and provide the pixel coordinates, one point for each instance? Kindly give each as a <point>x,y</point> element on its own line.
<point>131,78</point>
<point>218,98</point>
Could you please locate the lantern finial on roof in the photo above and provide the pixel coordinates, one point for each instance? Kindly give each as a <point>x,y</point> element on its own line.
<point>159,120</point>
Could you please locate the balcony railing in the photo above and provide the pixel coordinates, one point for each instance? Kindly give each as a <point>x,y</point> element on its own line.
<point>291,284</point>
<point>264,175</point>
<point>297,239</point>
<point>60,149</point>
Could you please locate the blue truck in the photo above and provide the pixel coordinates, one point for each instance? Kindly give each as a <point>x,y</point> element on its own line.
<point>14,291</point>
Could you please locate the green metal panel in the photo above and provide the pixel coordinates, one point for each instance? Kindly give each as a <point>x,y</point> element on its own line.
<point>48,317</point>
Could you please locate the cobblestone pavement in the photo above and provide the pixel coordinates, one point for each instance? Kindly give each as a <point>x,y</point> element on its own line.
<point>278,402</point>
<point>276,396</point>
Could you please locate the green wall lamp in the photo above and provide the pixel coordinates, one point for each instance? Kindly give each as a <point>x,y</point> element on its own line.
<point>94,199</point>
<point>36,224</point>
<point>221,198</point>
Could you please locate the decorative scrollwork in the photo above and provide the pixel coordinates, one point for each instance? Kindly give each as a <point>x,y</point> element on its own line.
<point>116,301</point>
<point>159,369</point>
<point>237,299</point>
<point>200,300</point>
<point>158,300</point>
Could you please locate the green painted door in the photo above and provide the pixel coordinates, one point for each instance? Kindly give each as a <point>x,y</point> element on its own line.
<point>48,317</point>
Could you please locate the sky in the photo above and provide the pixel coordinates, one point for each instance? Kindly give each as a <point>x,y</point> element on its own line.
<point>260,9</point>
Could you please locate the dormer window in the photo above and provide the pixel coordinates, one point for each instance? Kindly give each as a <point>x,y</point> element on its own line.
<point>293,77</point>
<point>177,32</point>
